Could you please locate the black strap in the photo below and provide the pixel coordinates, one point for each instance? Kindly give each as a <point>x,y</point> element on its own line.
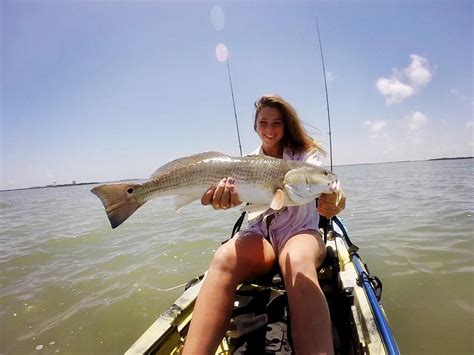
<point>352,247</point>
<point>237,226</point>
<point>326,226</point>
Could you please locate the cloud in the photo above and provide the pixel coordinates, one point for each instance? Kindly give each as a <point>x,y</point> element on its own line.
<point>376,126</point>
<point>416,121</point>
<point>394,90</point>
<point>418,71</point>
<point>405,82</point>
<point>461,96</point>
<point>377,130</point>
<point>470,125</point>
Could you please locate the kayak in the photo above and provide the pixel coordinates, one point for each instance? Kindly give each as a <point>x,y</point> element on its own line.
<point>260,317</point>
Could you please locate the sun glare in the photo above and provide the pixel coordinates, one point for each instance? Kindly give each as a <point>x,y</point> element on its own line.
<point>221,52</point>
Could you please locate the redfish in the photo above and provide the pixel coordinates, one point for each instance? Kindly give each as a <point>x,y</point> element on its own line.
<point>263,182</point>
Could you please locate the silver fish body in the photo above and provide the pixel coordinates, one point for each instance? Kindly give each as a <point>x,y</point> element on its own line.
<point>261,181</point>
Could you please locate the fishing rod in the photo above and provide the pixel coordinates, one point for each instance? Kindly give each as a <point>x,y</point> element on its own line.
<point>222,54</point>
<point>327,96</point>
<point>233,104</point>
<point>364,281</point>
<point>363,277</point>
<point>328,229</point>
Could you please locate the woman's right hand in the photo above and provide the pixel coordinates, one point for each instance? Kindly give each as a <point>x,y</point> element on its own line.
<point>222,196</point>
<point>330,205</point>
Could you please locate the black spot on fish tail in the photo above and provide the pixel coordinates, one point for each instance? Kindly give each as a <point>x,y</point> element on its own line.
<point>118,202</point>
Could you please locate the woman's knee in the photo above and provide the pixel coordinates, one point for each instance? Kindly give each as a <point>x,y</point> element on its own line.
<point>298,264</point>
<point>243,257</point>
<point>303,254</point>
<point>224,259</point>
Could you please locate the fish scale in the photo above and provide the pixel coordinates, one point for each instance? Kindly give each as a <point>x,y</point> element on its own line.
<point>258,180</point>
<point>203,174</point>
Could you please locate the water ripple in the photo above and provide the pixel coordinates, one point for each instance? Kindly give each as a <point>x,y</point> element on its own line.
<point>70,283</point>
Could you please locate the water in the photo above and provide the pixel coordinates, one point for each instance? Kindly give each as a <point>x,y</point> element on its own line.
<point>70,284</point>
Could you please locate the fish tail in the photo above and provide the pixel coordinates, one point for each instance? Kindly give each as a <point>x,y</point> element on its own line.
<point>119,201</point>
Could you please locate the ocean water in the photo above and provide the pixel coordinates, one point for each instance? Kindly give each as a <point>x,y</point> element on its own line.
<point>69,284</point>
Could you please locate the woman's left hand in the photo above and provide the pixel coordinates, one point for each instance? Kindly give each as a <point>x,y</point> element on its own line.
<point>330,205</point>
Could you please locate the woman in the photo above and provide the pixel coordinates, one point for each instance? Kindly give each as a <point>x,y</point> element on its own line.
<point>294,243</point>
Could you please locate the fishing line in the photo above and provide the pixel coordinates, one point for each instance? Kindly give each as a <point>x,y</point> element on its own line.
<point>169,289</point>
<point>327,96</point>
<point>329,225</point>
<point>233,104</point>
<point>237,224</point>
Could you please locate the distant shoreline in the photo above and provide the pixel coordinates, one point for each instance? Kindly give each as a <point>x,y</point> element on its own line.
<point>451,158</point>
<point>98,182</point>
<point>69,185</point>
<point>405,161</point>
<point>52,186</point>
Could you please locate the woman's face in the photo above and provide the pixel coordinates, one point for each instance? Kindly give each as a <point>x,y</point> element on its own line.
<point>270,127</point>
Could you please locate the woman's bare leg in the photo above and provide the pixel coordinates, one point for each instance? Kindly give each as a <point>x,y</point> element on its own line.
<point>239,259</point>
<point>310,320</point>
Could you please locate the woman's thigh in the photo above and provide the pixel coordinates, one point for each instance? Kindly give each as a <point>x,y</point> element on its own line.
<point>303,252</point>
<point>247,255</point>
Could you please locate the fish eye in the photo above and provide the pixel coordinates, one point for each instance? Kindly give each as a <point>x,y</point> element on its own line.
<point>130,190</point>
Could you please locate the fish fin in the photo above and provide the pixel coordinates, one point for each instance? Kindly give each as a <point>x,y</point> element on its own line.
<point>254,207</point>
<point>254,210</point>
<point>181,200</point>
<point>255,215</point>
<point>185,161</point>
<point>118,201</point>
<point>278,200</point>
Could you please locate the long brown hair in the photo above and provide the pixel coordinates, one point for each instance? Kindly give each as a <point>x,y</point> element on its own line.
<point>295,136</point>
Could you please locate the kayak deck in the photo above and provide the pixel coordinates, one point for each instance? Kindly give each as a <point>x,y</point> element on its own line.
<point>260,319</point>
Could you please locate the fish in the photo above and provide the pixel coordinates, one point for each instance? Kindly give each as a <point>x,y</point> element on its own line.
<point>262,182</point>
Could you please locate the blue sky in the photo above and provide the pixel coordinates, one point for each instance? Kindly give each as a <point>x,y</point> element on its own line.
<point>108,90</point>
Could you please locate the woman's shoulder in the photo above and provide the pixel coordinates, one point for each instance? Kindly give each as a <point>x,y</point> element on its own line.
<point>304,156</point>
<point>257,151</point>
<point>311,156</point>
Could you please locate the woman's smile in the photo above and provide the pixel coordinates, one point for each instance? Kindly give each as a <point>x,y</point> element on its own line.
<point>270,129</point>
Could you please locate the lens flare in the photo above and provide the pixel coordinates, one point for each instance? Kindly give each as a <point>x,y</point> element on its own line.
<point>221,52</point>
<point>217,18</point>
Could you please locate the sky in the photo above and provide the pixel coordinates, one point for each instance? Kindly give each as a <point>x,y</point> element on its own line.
<point>110,90</point>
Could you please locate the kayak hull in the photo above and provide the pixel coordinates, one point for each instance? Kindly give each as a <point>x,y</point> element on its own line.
<point>260,320</point>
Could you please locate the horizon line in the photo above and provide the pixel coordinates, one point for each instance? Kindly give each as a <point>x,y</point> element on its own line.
<point>123,180</point>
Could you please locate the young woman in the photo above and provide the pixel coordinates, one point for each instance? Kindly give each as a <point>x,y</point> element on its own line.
<point>293,242</point>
